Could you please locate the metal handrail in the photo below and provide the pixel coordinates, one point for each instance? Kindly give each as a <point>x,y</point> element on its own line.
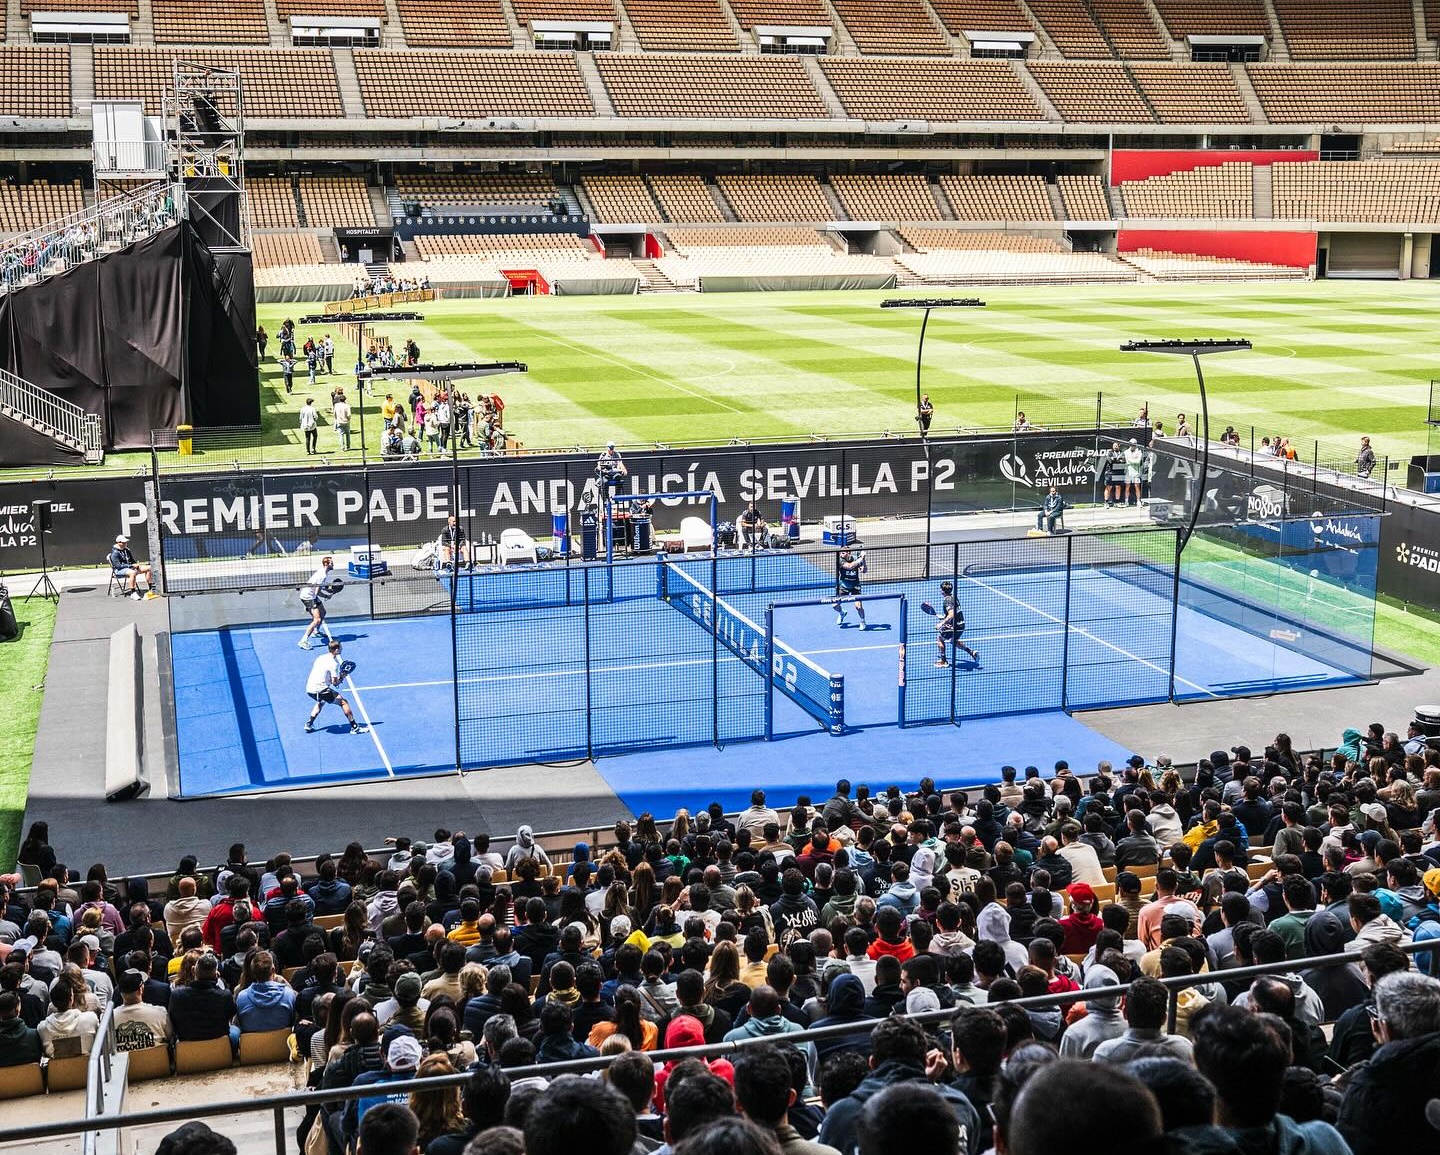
<point>60,418</point>
<point>60,245</point>
<point>278,1104</point>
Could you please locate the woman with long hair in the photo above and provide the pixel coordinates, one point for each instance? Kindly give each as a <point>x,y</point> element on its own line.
<point>646,831</point>
<point>186,974</point>
<point>437,1109</point>
<point>35,850</point>
<point>643,1034</point>
<point>1402,809</point>
<point>108,891</point>
<point>358,1005</point>
<point>723,987</point>
<point>501,909</point>
<point>680,826</point>
<point>351,866</point>
<point>336,1023</point>
<point>670,891</point>
<point>615,904</point>
<point>752,913</point>
<point>442,1030</point>
<point>642,893</point>
<point>346,939</point>
<point>365,888</point>
<point>572,909</point>
<point>1285,753</point>
<point>515,1002</point>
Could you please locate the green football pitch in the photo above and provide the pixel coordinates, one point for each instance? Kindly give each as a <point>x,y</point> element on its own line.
<point>1330,360</point>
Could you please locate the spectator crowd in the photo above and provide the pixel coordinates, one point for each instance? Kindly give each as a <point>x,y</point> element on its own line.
<point>913,931</point>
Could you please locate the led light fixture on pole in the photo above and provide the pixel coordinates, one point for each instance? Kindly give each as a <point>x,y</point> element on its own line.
<point>1194,350</point>
<point>362,323</point>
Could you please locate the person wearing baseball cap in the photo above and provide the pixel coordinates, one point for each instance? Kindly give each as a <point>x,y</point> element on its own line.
<point>128,571</point>
<point>1425,926</point>
<point>1082,926</point>
<point>403,1053</point>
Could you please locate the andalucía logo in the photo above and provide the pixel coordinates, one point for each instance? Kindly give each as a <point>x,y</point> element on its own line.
<point>1012,469</point>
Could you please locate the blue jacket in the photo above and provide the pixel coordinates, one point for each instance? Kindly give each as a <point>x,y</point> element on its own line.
<point>267,1006</point>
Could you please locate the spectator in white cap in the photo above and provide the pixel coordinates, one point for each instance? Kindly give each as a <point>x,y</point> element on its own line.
<point>402,1056</point>
<point>128,571</point>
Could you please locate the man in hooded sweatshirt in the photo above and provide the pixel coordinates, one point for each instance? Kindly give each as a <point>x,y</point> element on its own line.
<point>898,1049</point>
<point>1425,926</point>
<point>993,925</point>
<point>794,912</point>
<point>901,893</point>
<point>1371,925</point>
<point>844,1003</point>
<point>267,1004</point>
<point>1102,1019</point>
<point>525,847</point>
<point>892,938</point>
<point>1384,1105</point>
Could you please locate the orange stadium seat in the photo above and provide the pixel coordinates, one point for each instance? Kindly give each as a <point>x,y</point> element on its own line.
<point>374,9</point>
<point>961,16</point>
<point>286,82</point>
<point>1395,93</point>
<point>789,13</point>
<point>896,27</point>
<point>893,197</point>
<point>336,200</point>
<point>30,206</point>
<point>1191,93</point>
<point>210,22</point>
<point>930,89</point>
<point>272,203</point>
<point>273,250</point>
<point>1128,24</point>
<point>132,7</point>
<point>1344,30</point>
<point>1083,198</point>
<point>1090,93</point>
<point>1071,27</point>
<point>528,11</point>
<point>404,84</point>
<point>1214,18</point>
<point>754,86</point>
<point>454,23</point>
<point>35,81</point>
<point>681,26</point>
<point>683,197</point>
<point>775,198</point>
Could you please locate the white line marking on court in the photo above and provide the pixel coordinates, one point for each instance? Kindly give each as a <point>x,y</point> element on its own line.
<point>1086,633</point>
<point>369,726</point>
<point>634,369</point>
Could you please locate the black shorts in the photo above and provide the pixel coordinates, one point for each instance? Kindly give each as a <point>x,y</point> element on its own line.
<point>957,630</point>
<point>851,587</point>
<point>326,695</point>
<point>312,605</point>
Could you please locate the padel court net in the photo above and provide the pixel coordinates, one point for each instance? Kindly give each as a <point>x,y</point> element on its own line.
<point>537,663</point>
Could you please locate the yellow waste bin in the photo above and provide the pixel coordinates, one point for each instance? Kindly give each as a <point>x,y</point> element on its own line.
<point>184,434</point>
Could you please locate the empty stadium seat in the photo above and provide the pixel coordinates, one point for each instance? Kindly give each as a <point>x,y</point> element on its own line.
<point>336,200</point>
<point>1215,191</point>
<point>1344,30</point>
<point>35,81</point>
<point>775,198</point>
<point>477,190</point>
<point>1070,26</point>
<point>1191,93</point>
<point>945,90</point>
<point>741,86</point>
<point>210,22</point>
<point>689,240</point>
<point>1214,18</point>
<point>528,11</point>
<point>924,240</point>
<point>1083,198</point>
<point>783,13</point>
<point>681,26</point>
<point>274,250</point>
<point>37,203</point>
<point>621,198</point>
<point>684,197</point>
<point>998,198</point>
<point>1128,25</point>
<point>1380,191</point>
<point>1167,266</point>
<point>405,84</point>
<point>373,9</point>
<point>962,16</point>
<point>1090,93</point>
<point>279,83</point>
<point>897,27</point>
<point>887,198</point>
<point>1396,93</point>
<point>454,23</point>
<point>272,203</point>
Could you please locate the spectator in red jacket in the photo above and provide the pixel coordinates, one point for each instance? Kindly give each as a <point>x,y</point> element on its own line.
<point>1082,925</point>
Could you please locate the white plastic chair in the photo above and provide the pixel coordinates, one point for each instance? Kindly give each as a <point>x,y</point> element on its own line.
<point>517,546</point>
<point>697,534</point>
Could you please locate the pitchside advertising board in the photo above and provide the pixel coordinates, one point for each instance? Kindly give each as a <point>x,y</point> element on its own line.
<point>226,514</point>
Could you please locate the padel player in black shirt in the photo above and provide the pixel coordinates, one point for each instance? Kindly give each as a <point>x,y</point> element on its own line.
<point>850,568</point>
<point>951,626</point>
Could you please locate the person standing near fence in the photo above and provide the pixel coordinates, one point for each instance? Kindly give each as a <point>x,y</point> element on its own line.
<point>925,415</point>
<point>329,347</point>
<point>1365,459</point>
<point>262,339</point>
<point>310,419</point>
<point>341,417</point>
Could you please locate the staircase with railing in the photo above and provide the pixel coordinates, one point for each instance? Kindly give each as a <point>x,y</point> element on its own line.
<point>53,416</point>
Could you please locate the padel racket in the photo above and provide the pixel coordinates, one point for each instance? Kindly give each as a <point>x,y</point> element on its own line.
<point>346,669</point>
<point>927,608</point>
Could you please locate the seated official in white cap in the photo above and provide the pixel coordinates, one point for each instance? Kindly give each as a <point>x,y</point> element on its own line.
<point>128,570</point>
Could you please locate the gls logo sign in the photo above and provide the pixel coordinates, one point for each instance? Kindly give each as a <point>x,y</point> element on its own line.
<point>1012,469</point>
<point>1418,556</point>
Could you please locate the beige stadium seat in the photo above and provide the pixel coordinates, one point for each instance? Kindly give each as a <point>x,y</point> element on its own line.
<point>193,1058</point>
<point>943,90</point>
<point>149,1063</point>
<point>289,82</point>
<point>67,1074</point>
<point>264,1047</point>
<point>681,26</point>
<point>19,1082</point>
<point>1344,30</point>
<point>210,22</point>
<point>454,23</point>
<point>410,84</point>
<point>897,27</point>
<point>764,87</point>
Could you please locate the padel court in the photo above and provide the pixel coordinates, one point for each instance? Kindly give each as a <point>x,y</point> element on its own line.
<point>686,666</point>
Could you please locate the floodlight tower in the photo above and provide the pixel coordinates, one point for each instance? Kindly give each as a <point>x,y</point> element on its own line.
<point>1194,350</point>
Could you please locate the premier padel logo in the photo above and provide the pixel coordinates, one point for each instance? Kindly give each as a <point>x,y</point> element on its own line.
<point>1012,469</point>
<point>1402,553</point>
<point>1418,556</point>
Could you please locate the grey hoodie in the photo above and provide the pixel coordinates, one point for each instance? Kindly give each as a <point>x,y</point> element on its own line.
<point>1102,1019</point>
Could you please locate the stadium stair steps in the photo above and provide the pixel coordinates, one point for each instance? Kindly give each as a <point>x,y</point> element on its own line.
<point>82,79</point>
<point>1140,92</point>
<point>26,392</point>
<point>279,29</point>
<point>142,27</point>
<point>1037,93</point>
<point>379,204</point>
<point>1247,94</point>
<point>958,46</point>
<point>1115,201</point>
<point>942,202</point>
<point>1279,46</point>
<point>653,280</point>
<point>15,21</point>
<point>348,82</point>
<point>594,84</point>
<point>1042,38</point>
<point>1100,28</point>
<point>719,198</point>
<point>737,30</point>
<point>1178,52</point>
<point>833,200</point>
<point>628,40</point>
<point>822,86</point>
<point>329,250</point>
<point>518,33</point>
<point>844,43</point>
<point>1425,36</point>
<point>1262,201</point>
<point>1057,206</point>
<point>392,32</point>
<point>299,204</point>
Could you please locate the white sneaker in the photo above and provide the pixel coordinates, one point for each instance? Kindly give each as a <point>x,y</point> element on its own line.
<point>135,595</point>
<point>304,643</point>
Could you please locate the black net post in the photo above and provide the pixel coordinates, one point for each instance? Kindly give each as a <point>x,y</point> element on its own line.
<point>950,649</point>
<point>1065,627</point>
<point>1175,613</point>
<point>456,558</point>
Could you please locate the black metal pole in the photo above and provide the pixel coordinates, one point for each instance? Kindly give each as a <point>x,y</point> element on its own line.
<point>455,587</point>
<point>1204,455</point>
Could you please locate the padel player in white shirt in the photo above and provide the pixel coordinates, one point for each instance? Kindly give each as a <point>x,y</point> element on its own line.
<point>312,601</point>
<point>325,675</point>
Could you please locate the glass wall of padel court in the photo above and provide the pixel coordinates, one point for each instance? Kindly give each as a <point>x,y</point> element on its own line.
<point>550,662</point>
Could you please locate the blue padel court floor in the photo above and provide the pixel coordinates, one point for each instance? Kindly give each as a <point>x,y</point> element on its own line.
<point>543,684</point>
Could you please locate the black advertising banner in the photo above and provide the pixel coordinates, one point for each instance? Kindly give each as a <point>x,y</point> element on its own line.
<point>87,514</point>
<point>1410,555</point>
